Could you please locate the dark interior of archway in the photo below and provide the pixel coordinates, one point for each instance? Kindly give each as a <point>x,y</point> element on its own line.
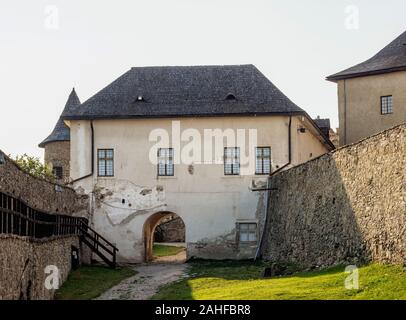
<point>170,229</point>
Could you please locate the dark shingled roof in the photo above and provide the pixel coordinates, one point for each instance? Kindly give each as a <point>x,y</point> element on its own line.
<point>389,59</point>
<point>61,131</point>
<point>324,126</point>
<point>322,123</point>
<point>148,92</point>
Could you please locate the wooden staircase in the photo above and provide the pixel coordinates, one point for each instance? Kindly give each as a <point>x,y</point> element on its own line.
<point>99,245</point>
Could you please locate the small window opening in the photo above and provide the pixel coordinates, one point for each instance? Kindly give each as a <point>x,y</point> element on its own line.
<point>230,96</point>
<point>57,172</point>
<point>247,232</point>
<point>386,105</point>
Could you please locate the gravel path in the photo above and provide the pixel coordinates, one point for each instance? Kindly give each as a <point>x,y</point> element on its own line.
<point>146,282</point>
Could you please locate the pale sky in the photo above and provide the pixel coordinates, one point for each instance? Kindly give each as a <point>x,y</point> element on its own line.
<point>48,47</point>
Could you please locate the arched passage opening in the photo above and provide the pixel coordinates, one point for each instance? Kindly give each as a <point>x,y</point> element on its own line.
<point>164,227</point>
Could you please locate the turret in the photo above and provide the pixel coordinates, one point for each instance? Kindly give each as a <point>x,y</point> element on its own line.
<point>57,144</point>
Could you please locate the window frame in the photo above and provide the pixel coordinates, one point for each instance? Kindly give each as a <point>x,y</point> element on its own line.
<point>233,165</point>
<point>105,159</point>
<point>388,107</point>
<point>248,232</point>
<point>54,171</point>
<point>262,161</point>
<point>167,163</point>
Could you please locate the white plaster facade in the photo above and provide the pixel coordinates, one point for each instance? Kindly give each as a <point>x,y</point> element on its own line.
<point>210,203</point>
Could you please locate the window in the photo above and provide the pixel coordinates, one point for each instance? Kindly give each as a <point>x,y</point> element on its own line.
<point>247,232</point>
<point>263,160</point>
<point>57,171</point>
<point>386,105</point>
<point>232,161</point>
<point>165,162</point>
<point>105,161</point>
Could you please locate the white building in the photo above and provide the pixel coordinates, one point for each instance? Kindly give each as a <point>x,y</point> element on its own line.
<point>135,181</point>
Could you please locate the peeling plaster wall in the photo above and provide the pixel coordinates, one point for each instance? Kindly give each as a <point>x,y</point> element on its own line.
<point>209,203</point>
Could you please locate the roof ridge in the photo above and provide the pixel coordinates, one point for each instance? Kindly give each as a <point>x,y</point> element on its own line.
<point>195,66</point>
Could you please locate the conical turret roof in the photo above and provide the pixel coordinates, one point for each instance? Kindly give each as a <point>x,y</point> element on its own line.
<point>61,131</point>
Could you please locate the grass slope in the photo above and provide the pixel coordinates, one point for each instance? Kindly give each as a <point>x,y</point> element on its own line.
<point>242,280</point>
<point>89,282</point>
<point>160,250</point>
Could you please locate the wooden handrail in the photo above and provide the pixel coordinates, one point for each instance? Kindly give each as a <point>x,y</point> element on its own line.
<point>98,235</point>
<point>16,217</point>
<point>95,240</point>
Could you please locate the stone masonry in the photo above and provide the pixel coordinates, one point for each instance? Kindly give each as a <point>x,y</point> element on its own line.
<point>58,154</point>
<point>347,206</point>
<point>172,230</point>
<point>23,262</point>
<point>39,193</point>
<point>23,259</point>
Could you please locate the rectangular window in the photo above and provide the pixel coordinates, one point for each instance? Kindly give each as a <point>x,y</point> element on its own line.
<point>165,162</point>
<point>386,105</point>
<point>247,232</point>
<point>232,161</point>
<point>263,160</point>
<point>105,162</point>
<point>57,171</point>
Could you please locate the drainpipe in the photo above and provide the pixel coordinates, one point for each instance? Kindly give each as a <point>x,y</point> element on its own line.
<point>268,188</point>
<point>92,157</point>
<point>345,113</point>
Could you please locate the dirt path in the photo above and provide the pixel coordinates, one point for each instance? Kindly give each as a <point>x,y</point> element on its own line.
<point>177,258</point>
<point>146,282</point>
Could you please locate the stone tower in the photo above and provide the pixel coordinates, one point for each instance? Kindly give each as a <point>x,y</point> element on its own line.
<point>57,144</point>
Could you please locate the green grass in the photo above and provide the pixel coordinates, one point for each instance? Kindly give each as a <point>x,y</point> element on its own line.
<point>160,250</point>
<point>242,280</point>
<point>89,282</point>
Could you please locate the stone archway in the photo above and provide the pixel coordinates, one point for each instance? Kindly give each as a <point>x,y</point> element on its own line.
<point>149,229</point>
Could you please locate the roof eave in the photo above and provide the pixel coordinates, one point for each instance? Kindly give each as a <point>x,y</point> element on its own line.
<point>45,142</point>
<point>200,115</point>
<point>327,141</point>
<point>335,78</point>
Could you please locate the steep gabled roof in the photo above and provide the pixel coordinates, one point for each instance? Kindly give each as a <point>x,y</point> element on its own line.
<point>61,131</point>
<point>389,59</point>
<point>157,92</point>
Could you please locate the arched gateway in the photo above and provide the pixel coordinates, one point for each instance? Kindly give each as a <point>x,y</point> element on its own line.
<point>149,229</point>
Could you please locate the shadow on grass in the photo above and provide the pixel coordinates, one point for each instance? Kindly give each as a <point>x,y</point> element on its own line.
<point>89,282</point>
<point>253,270</point>
<point>230,270</point>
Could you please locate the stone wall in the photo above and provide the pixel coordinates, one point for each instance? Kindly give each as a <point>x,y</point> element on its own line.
<point>58,154</point>
<point>172,230</point>
<point>23,262</point>
<point>22,259</point>
<point>39,193</point>
<point>348,206</point>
